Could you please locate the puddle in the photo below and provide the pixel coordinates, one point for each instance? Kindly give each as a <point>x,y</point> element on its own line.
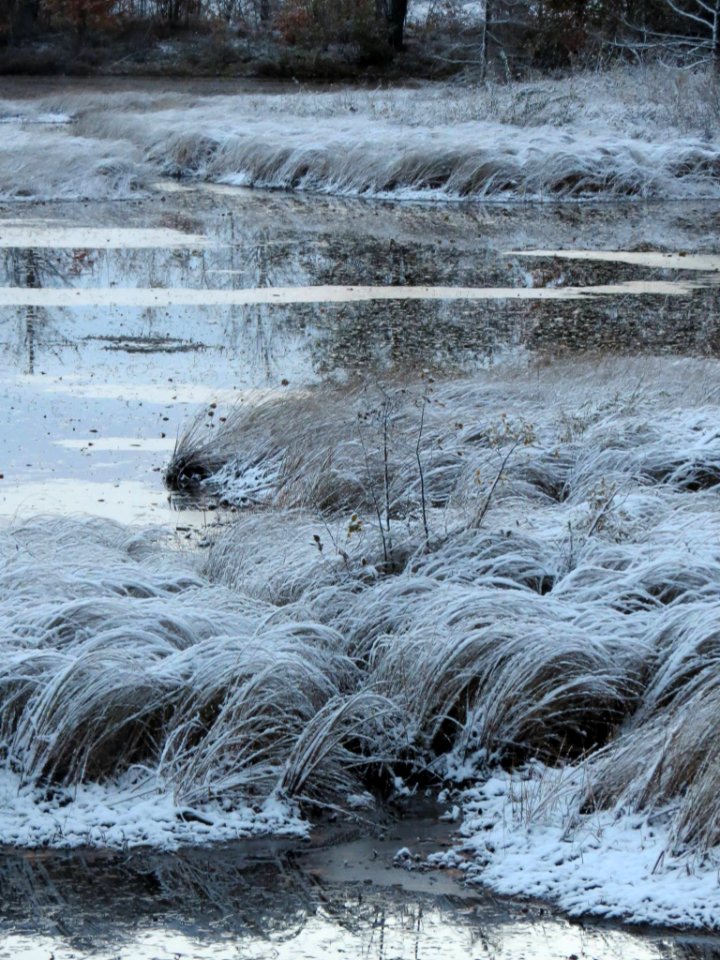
<point>219,189</point>
<point>279,901</point>
<point>129,501</point>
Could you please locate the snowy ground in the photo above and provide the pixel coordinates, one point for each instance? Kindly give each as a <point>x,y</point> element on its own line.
<point>521,835</point>
<point>135,810</point>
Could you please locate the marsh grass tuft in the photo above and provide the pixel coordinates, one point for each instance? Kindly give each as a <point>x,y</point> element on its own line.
<point>438,578</point>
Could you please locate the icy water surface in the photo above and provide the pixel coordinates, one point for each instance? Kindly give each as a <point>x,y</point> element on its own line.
<point>273,901</point>
<point>118,319</point>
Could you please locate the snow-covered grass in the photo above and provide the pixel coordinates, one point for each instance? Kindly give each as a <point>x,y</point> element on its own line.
<point>134,809</point>
<point>440,581</point>
<point>527,567</point>
<point>624,133</point>
<point>521,835</point>
<point>122,665</point>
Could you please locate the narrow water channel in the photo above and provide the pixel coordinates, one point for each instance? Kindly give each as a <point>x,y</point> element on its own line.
<point>338,896</point>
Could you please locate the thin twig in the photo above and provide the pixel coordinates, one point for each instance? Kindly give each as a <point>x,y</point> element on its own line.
<point>422,475</point>
<point>481,516</point>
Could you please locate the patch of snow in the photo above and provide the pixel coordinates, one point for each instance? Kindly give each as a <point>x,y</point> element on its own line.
<point>135,809</point>
<point>521,835</point>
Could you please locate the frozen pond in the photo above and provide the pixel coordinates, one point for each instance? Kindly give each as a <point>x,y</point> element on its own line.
<point>118,320</point>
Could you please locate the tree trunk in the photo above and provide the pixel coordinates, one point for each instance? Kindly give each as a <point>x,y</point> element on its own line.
<point>396,14</point>
<point>487,16</point>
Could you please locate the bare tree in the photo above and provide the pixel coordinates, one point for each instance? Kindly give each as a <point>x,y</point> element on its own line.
<point>702,17</point>
<point>696,36</point>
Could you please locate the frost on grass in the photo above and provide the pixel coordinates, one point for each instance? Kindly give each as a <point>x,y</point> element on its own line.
<point>505,585</point>
<point>625,133</point>
<point>525,565</point>
<point>139,701</point>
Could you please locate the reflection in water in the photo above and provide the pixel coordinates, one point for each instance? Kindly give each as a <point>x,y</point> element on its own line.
<point>193,297</point>
<point>640,258</point>
<point>273,277</point>
<point>323,293</point>
<point>27,267</point>
<point>239,901</point>
<point>130,501</point>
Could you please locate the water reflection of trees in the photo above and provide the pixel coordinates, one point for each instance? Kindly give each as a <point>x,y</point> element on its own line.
<point>88,901</point>
<point>272,245</point>
<point>33,269</point>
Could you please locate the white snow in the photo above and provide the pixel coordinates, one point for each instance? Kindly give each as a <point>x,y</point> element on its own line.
<point>589,591</point>
<point>522,835</point>
<point>135,809</point>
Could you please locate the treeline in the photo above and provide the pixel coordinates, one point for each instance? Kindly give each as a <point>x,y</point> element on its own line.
<point>552,33</point>
<point>498,35</point>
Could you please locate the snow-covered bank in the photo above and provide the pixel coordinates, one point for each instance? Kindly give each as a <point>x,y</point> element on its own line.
<point>522,835</point>
<point>622,134</point>
<point>135,809</point>
<point>436,580</point>
<point>562,604</point>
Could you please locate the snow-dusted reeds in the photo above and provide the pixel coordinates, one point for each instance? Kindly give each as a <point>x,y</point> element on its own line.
<point>555,582</point>
<point>118,656</point>
<point>626,133</point>
<point>425,580</point>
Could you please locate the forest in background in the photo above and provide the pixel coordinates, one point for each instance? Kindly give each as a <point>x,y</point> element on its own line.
<point>347,39</point>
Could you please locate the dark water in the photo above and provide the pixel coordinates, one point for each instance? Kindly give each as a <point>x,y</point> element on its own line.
<point>330,898</point>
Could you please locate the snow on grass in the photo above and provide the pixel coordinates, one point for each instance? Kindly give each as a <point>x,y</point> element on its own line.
<point>38,164</point>
<point>122,665</point>
<point>626,133</point>
<point>521,835</point>
<point>134,809</point>
<point>518,570</point>
<point>527,568</point>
